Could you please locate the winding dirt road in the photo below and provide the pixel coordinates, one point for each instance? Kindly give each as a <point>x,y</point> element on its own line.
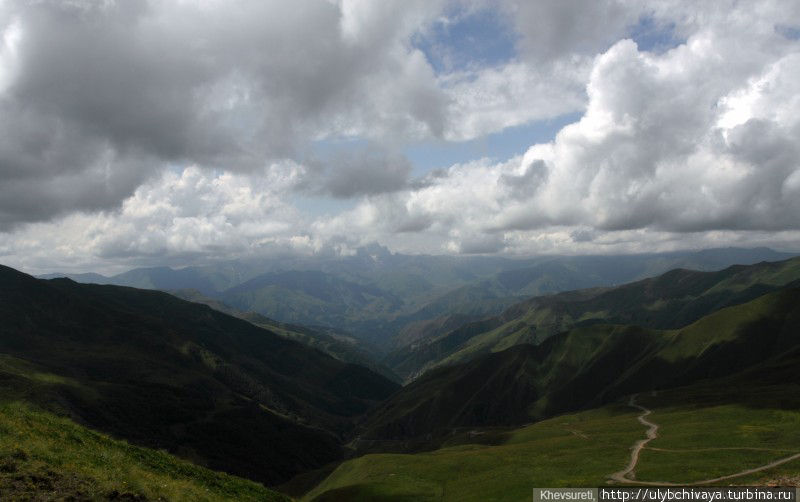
<point>623,476</point>
<point>652,433</point>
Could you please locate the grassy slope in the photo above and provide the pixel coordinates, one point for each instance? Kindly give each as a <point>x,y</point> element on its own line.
<point>548,453</point>
<point>710,430</point>
<point>164,373</point>
<point>586,367</point>
<point>669,301</point>
<point>42,456</point>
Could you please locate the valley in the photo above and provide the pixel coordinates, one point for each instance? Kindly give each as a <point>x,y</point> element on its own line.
<point>684,378</point>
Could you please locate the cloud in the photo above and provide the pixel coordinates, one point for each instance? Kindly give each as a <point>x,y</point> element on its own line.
<point>552,29</point>
<point>135,132</point>
<point>121,86</point>
<point>525,185</point>
<point>48,167</point>
<point>477,244</point>
<point>698,139</point>
<point>516,93</point>
<point>650,150</point>
<point>583,235</point>
<point>363,170</point>
<point>175,218</point>
<point>129,88</point>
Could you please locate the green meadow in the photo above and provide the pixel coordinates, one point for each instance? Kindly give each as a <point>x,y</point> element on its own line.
<point>43,455</point>
<point>695,443</point>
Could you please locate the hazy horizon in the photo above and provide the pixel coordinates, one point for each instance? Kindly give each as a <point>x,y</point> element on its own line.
<point>311,258</point>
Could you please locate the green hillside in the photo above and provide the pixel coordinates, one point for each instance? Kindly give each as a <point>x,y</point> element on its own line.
<point>586,367</point>
<point>431,328</point>
<point>47,457</point>
<point>303,296</point>
<point>704,433</point>
<point>544,454</point>
<point>723,394</point>
<point>340,346</point>
<point>669,301</point>
<point>168,374</point>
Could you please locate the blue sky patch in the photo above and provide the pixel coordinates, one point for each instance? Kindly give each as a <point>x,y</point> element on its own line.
<point>656,36</point>
<point>790,32</point>
<point>466,39</point>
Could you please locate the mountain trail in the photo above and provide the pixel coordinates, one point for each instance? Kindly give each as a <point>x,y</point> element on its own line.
<point>652,433</point>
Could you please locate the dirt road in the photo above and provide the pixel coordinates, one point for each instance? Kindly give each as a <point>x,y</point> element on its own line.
<point>623,476</point>
<point>652,433</point>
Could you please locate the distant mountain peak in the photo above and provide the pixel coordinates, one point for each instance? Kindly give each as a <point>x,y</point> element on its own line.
<point>374,251</point>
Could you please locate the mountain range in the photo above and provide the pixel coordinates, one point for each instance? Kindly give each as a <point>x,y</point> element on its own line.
<point>389,300</point>
<point>668,301</point>
<point>310,411</point>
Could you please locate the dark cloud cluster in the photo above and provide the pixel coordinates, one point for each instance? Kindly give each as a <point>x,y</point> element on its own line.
<point>525,185</point>
<point>364,171</point>
<point>101,91</point>
<point>553,29</point>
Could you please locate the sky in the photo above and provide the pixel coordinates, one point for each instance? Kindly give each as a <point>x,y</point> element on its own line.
<point>177,132</point>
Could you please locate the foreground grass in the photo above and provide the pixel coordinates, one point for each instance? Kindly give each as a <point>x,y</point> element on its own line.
<point>46,457</point>
<point>698,443</point>
<point>695,443</point>
<point>571,450</point>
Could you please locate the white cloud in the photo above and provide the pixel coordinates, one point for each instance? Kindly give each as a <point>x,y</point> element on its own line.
<point>9,49</point>
<point>172,219</point>
<point>686,146</point>
<point>493,99</point>
<point>695,145</point>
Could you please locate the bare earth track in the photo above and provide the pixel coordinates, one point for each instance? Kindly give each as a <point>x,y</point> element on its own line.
<point>652,433</point>
<point>624,476</point>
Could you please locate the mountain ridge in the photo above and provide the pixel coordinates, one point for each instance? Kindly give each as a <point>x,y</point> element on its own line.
<point>590,366</point>
<point>670,300</point>
<point>165,373</point>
